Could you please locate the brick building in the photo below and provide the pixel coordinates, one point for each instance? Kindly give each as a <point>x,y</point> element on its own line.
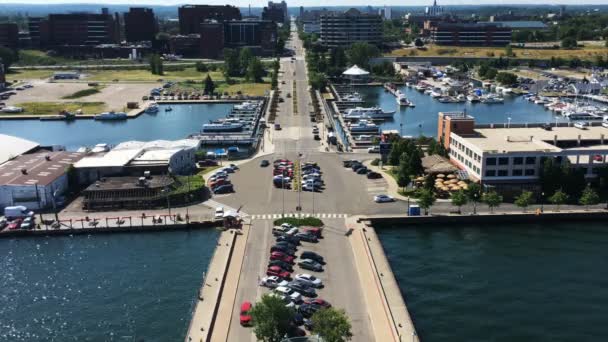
<point>276,12</point>
<point>140,25</point>
<point>346,28</point>
<point>192,16</point>
<point>9,35</point>
<point>473,34</point>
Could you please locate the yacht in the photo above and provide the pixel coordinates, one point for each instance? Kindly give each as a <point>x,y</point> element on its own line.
<point>223,127</point>
<point>491,99</point>
<point>420,87</point>
<point>363,126</point>
<point>461,98</point>
<point>436,94</point>
<point>100,148</point>
<point>403,101</point>
<point>111,116</point>
<point>371,112</point>
<point>246,106</point>
<point>473,98</point>
<point>353,97</point>
<point>152,108</point>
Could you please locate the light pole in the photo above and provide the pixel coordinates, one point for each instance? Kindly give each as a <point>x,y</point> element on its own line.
<point>474,204</point>
<point>509,122</point>
<point>401,129</point>
<point>542,201</point>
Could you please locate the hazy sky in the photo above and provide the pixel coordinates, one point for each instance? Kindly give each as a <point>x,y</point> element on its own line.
<point>258,3</point>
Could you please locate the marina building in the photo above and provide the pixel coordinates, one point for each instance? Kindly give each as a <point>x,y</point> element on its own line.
<point>192,16</point>
<point>515,155</point>
<point>140,25</point>
<point>473,34</point>
<point>346,28</point>
<point>127,193</point>
<point>36,180</point>
<point>13,147</point>
<point>136,157</point>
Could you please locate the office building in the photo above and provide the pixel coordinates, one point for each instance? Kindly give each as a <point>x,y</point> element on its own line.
<point>212,39</point>
<point>473,34</point>
<point>140,25</point>
<point>346,28</point>
<point>276,12</point>
<point>260,36</point>
<point>75,29</point>
<point>192,16</point>
<point>9,35</point>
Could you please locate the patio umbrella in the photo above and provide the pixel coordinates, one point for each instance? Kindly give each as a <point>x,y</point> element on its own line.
<point>441,175</point>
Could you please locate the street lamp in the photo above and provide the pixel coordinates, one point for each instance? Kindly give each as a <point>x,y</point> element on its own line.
<point>474,204</point>
<point>542,201</point>
<point>401,129</point>
<point>509,122</point>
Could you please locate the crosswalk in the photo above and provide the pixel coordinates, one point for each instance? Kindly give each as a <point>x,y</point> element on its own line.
<point>278,216</point>
<point>376,186</point>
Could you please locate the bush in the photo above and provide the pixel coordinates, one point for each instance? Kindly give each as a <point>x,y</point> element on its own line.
<point>296,222</point>
<point>375,162</point>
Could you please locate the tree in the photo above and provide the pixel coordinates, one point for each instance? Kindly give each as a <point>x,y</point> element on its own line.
<point>403,175</point>
<point>156,65</point>
<point>201,67</point>
<point>231,63</point>
<point>418,42</point>
<point>524,200</point>
<point>569,43</point>
<point>360,53</point>
<point>589,197</point>
<point>426,199</point>
<point>491,73</point>
<point>209,85</point>
<point>245,58</point>
<point>8,57</point>
<point>255,70</point>
<point>317,80</point>
<point>459,198</point>
<point>558,198</point>
<point>506,78</point>
<point>509,51</point>
<point>492,199</point>
<point>332,325</point>
<point>271,319</point>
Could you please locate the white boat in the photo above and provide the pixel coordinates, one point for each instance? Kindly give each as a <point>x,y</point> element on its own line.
<point>152,108</point>
<point>353,97</point>
<point>403,101</point>
<point>371,112</point>
<point>246,106</point>
<point>435,94</point>
<point>12,109</point>
<point>420,87</point>
<point>111,116</point>
<point>472,98</point>
<point>491,99</point>
<point>363,126</point>
<point>223,127</point>
<point>100,148</point>
<point>461,98</point>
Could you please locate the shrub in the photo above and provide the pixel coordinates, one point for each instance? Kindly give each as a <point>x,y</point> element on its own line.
<point>304,221</point>
<point>375,162</point>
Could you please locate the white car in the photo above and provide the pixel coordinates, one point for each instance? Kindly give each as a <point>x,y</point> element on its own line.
<point>270,282</point>
<point>309,279</point>
<point>581,125</point>
<point>287,226</point>
<point>219,213</point>
<point>374,149</point>
<point>288,302</point>
<point>296,297</point>
<point>383,198</point>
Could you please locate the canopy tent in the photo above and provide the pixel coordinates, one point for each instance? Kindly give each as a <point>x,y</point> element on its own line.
<point>355,71</point>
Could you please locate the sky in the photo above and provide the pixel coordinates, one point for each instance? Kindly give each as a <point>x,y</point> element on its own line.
<point>260,3</point>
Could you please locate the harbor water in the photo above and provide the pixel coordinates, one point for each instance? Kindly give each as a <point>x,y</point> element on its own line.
<point>118,287</point>
<point>422,119</point>
<point>183,120</point>
<point>506,283</point>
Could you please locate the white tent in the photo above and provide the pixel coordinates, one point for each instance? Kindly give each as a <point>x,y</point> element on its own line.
<point>355,71</point>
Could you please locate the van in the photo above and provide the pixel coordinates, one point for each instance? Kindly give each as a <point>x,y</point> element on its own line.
<point>17,211</point>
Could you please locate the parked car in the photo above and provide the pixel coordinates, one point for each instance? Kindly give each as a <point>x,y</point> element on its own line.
<point>288,302</point>
<point>581,125</point>
<point>356,166</point>
<point>302,288</point>
<point>228,170</point>
<point>270,281</point>
<point>223,189</point>
<point>264,163</point>
<point>286,291</point>
<point>288,238</point>
<point>308,237</point>
<point>282,264</point>
<point>373,149</point>
<point>316,231</point>
<point>282,256</point>
<point>15,224</point>
<point>245,316</point>
<point>373,175</point>
<point>277,271</point>
<point>383,198</point>
<point>234,167</point>
<point>219,213</point>
<point>311,187</point>
<point>312,256</point>
<point>307,310</point>
<point>310,279</point>
<point>298,319</point>
<point>318,302</point>
<point>348,163</point>
<point>286,244</point>
<point>362,170</point>
<point>283,249</point>
<point>309,264</point>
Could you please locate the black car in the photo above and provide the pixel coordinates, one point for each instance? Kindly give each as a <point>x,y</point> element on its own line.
<point>264,163</point>
<point>306,291</point>
<point>356,166</point>
<point>288,238</point>
<point>223,189</point>
<point>282,249</point>
<point>312,256</point>
<point>362,171</point>
<point>282,264</point>
<point>349,163</point>
<point>286,244</point>
<point>307,310</point>
<point>373,175</point>
<point>307,237</point>
<point>309,264</point>
<point>298,319</point>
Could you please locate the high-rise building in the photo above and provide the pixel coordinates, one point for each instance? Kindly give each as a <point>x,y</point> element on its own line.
<point>9,35</point>
<point>140,24</point>
<point>192,16</point>
<point>75,29</point>
<point>474,34</point>
<point>434,11</point>
<point>260,35</point>
<point>276,11</point>
<point>346,28</point>
<point>212,39</point>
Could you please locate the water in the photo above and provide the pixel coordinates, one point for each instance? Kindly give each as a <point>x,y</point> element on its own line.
<point>122,287</point>
<point>503,283</point>
<point>422,119</point>
<point>185,119</point>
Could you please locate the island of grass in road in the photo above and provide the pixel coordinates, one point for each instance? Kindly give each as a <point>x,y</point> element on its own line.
<point>297,222</point>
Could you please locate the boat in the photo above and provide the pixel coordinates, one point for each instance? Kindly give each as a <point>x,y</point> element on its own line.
<point>473,98</point>
<point>12,109</point>
<point>223,127</point>
<point>403,101</point>
<point>363,126</point>
<point>111,116</point>
<point>100,148</point>
<point>353,97</point>
<point>435,94</point>
<point>491,99</point>
<point>371,112</point>
<point>461,98</point>
<point>152,108</point>
<point>446,99</point>
<point>420,87</point>
<point>168,109</point>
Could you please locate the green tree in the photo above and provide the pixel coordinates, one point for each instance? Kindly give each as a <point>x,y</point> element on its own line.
<point>8,57</point>
<point>506,78</point>
<point>156,65</point>
<point>474,192</point>
<point>403,175</point>
<point>271,319</point>
<point>201,67</point>
<point>491,73</point>
<point>360,53</point>
<point>317,80</point>
<point>569,43</point>
<point>459,198</point>
<point>509,51</point>
<point>245,58</point>
<point>418,42</point>
<point>492,199</point>
<point>209,85</point>
<point>550,177</point>
<point>332,325</point>
<point>231,63</point>
<point>558,198</point>
<point>426,199</point>
<point>589,197</point>
<point>524,200</point>
<point>255,70</point>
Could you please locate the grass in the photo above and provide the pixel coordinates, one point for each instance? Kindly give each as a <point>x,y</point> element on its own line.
<point>253,89</point>
<point>197,182</point>
<point>51,108</point>
<point>82,93</point>
<point>29,74</point>
<point>587,52</point>
<point>297,222</point>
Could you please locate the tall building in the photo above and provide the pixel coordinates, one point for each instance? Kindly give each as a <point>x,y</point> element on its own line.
<point>192,16</point>
<point>434,11</point>
<point>212,39</point>
<point>260,36</point>
<point>76,29</point>
<point>346,28</point>
<point>9,35</point>
<point>140,24</point>
<point>276,11</point>
<point>473,34</point>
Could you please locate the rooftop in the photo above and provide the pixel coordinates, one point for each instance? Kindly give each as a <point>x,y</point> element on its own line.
<point>505,140</point>
<point>129,183</point>
<point>13,147</point>
<point>40,168</point>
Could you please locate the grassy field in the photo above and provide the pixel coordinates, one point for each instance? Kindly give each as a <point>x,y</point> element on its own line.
<point>82,93</point>
<point>588,52</point>
<point>51,108</point>
<point>29,74</point>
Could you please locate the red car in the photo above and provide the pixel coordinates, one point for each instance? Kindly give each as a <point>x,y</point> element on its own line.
<point>316,231</point>
<point>245,316</point>
<point>16,224</point>
<point>319,302</point>
<point>277,271</point>
<point>281,256</point>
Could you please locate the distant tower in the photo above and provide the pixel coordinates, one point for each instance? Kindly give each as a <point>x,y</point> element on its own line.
<point>434,10</point>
